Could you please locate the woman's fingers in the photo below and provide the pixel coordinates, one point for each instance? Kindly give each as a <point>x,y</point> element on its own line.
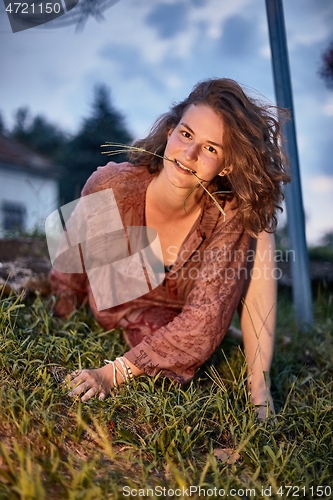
<point>86,382</point>
<point>90,391</point>
<point>75,377</point>
<point>89,394</point>
<point>79,377</point>
<point>69,380</point>
<point>79,388</point>
<point>89,383</point>
<point>101,396</point>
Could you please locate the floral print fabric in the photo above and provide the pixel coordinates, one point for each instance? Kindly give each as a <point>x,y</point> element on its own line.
<point>174,328</point>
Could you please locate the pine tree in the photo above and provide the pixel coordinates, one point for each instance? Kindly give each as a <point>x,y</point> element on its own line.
<point>2,125</point>
<point>326,70</point>
<point>38,134</point>
<point>83,152</point>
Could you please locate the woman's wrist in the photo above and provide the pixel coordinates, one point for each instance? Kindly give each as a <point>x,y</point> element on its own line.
<point>135,370</point>
<point>123,371</point>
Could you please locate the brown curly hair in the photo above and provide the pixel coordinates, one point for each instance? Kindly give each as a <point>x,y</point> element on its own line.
<point>251,145</point>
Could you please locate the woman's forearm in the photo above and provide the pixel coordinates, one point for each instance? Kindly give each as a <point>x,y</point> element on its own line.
<point>258,319</point>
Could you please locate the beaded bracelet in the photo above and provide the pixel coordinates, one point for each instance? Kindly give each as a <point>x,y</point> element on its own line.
<point>126,372</point>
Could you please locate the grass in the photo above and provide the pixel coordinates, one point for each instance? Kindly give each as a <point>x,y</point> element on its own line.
<point>154,439</point>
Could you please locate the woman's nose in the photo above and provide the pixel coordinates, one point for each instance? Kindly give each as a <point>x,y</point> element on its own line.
<point>191,152</point>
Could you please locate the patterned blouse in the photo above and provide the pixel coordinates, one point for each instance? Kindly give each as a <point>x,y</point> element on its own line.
<point>175,327</point>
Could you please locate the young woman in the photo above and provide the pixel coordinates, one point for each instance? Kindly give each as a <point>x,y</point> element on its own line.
<point>208,179</point>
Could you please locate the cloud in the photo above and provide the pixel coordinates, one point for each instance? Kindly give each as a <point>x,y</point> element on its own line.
<point>325,153</point>
<point>316,25</point>
<point>214,13</point>
<point>168,19</point>
<point>322,184</point>
<point>239,38</point>
<point>152,53</point>
<point>328,106</point>
<point>317,196</point>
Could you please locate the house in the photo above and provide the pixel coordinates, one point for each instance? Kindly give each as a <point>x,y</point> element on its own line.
<point>29,187</point>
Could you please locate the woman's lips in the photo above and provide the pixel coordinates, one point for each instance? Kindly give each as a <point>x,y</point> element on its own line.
<point>184,169</point>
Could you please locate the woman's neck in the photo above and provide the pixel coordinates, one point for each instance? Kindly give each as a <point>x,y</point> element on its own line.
<point>170,199</point>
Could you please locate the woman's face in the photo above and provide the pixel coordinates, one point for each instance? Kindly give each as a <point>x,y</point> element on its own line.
<point>196,143</point>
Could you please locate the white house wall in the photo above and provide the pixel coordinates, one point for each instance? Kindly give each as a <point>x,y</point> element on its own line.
<point>39,195</point>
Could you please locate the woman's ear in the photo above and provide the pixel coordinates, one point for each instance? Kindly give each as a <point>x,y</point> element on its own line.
<point>170,132</point>
<point>226,171</point>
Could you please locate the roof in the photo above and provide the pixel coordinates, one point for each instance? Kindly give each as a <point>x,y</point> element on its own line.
<point>15,156</point>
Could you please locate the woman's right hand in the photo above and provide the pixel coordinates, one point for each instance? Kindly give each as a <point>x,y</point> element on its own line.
<point>95,382</point>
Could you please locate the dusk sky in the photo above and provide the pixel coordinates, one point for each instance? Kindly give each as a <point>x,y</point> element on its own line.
<point>151,53</point>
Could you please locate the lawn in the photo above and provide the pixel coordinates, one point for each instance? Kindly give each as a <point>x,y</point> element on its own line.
<point>153,439</point>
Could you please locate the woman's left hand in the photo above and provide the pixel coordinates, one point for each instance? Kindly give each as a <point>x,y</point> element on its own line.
<point>90,383</point>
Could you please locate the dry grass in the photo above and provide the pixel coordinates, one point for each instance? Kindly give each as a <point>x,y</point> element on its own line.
<point>154,434</point>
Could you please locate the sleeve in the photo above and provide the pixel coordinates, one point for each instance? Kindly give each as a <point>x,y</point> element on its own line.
<point>71,288</point>
<point>179,348</point>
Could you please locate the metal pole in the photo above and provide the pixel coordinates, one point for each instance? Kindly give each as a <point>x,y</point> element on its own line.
<point>299,265</point>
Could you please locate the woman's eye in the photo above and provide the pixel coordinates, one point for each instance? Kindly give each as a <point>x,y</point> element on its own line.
<point>211,149</point>
<point>186,134</point>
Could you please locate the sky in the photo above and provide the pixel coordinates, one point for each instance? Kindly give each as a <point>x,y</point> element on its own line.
<point>151,54</point>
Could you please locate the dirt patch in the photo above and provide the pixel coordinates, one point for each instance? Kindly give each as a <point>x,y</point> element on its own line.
<point>24,265</point>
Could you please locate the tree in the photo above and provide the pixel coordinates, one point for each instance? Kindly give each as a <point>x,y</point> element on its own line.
<point>21,124</point>
<point>326,69</point>
<point>38,134</point>
<point>2,125</point>
<point>46,138</point>
<point>83,153</point>
<point>327,240</point>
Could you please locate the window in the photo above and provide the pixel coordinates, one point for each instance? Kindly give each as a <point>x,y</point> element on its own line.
<point>13,216</point>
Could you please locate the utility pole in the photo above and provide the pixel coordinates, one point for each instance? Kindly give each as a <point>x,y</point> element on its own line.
<point>299,265</point>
